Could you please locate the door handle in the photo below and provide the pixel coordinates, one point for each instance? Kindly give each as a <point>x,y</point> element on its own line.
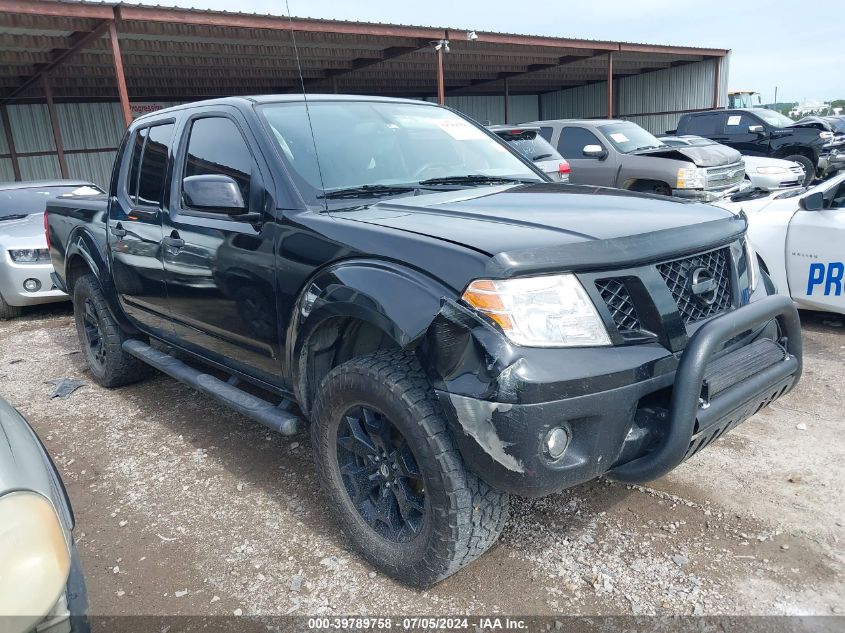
<point>174,241</point>
<point>118,231</point>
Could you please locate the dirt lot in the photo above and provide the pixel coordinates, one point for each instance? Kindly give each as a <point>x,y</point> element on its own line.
<point>184,508</point>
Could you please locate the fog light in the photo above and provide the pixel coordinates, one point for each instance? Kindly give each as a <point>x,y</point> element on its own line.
<point>32,285</point>
<point>557,440</point>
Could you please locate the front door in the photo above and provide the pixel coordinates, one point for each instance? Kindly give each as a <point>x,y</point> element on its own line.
<point>586,170</point>
<point>220,271</point>
<point>815,258</point>
<point>135,216</point>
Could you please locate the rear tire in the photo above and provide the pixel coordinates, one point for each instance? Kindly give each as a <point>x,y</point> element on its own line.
<point>807,164</point>
<point>101,338</point>
<point>424,519</point>
<point>8,312</point>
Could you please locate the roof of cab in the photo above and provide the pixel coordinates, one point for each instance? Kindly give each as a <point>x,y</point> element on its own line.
<point>280,98</point>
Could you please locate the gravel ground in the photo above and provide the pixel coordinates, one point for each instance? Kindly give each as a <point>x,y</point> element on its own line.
<point>184,507</point>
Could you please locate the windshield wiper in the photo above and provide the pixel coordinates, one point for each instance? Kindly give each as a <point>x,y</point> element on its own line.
<point>472,179</point>
<point>367,191</point>
<point>541,157</point>
<point>16,216</point>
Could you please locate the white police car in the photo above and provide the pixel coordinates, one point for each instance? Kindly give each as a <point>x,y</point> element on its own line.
<point>799,236</point>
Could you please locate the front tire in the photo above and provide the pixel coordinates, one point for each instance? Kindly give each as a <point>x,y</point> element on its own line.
<point>393,474</point>
<point>8,312</point>
<point>807,164</point>
<point>101,338</point>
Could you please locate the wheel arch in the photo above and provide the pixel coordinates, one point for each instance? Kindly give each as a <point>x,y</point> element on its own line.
<point>355,308</point>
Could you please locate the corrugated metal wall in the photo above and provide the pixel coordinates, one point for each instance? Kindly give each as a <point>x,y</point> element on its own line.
<point>670,91</point>
<point>491,108</point>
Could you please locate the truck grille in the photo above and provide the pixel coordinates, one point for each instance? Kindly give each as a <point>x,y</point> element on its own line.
<point>678,275</point>
<point>619,303</point>
<point>725,176</point>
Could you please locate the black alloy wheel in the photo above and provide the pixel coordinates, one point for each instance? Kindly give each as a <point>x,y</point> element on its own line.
<point>380,474</point>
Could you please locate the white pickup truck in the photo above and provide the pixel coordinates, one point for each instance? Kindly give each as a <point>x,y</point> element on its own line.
<point>799,236</point>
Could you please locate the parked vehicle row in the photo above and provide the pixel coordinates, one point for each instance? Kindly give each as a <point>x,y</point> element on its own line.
<point>454,325</point>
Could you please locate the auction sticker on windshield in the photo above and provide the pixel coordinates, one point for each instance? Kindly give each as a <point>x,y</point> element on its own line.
<point>619,137</point>
<point>734,120</point>
<point>460,130</point>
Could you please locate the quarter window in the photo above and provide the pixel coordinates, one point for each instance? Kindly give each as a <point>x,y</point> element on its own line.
<point>148,165</point>
<point>216,146</point>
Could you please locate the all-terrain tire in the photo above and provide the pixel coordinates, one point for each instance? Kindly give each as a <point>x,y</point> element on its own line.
<point>463,516</point>
<point>109,365</point>
<point>807,164</point>
<point>8,312</point>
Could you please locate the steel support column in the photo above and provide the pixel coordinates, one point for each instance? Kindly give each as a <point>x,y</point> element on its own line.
<point>441,80</point>
<point>717,80</point>
<point>119,75</point>
<point>610,85</point>
<point>54,123</point>
<point>10,141</point>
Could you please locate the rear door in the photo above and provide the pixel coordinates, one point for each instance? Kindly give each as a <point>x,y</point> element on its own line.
<point>220,270</point>
<point>586,170</point>
<point>708,125</point>
<point>135,232</point>
<point>815,258</point>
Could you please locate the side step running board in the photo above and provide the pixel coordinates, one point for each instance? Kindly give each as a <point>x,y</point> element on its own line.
<point>270,415</point>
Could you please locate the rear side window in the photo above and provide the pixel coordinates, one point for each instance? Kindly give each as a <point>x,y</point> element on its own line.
<point>148,166</point>
<point>154,165</point>
<point>546,133</point>
<point>216,146</point>
<point>705,125</point>
<point>573,140</point>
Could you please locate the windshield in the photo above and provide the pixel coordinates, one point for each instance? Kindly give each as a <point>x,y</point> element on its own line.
<point>382,144</point>
<point>837,124</point>
<point>775,119</point>
<point>15,202</point>
<point>530,144</point>
<point>629,137</point>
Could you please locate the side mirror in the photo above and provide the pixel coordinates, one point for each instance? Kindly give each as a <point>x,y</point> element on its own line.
<point>756,129</point>
<point>594,151</point>
<point>813,202</point>
<point>214,193</point>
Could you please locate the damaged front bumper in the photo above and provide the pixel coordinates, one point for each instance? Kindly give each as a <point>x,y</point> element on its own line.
<point>631,412</point>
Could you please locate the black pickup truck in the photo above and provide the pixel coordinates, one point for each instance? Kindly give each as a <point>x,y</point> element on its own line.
<point>762,132</point>
<point>453,326</point>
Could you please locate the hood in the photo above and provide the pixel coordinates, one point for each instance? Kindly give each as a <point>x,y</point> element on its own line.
<point>701,155</point>
<point>569,226</point>
<point>27,232</point>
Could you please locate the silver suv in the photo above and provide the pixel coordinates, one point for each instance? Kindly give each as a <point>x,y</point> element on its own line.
<point>615,153</point>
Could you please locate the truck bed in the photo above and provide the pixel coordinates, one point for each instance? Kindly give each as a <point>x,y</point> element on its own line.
<point>73,218</point>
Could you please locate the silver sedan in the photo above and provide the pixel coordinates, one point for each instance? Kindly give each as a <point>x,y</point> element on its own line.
<point>25,266</point>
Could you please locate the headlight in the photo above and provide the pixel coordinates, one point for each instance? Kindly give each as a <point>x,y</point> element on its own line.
<point>751,264</point>
<point>34,557</point>
<point>772,169</point>
<point>30,255</point>
<point>826,135</point>
<point>691,178</point>
<point>549,311</point>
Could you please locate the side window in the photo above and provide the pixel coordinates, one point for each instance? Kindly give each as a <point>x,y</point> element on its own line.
<point>573,140</point>
<point>216,146</point>
<point>738,123</point>
<point>546,133</point>
<point>705,125</point>
<point>135,162</point>
<point>154,165</point>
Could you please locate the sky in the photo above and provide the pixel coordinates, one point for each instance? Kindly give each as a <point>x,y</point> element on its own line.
<point>773,43</point>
